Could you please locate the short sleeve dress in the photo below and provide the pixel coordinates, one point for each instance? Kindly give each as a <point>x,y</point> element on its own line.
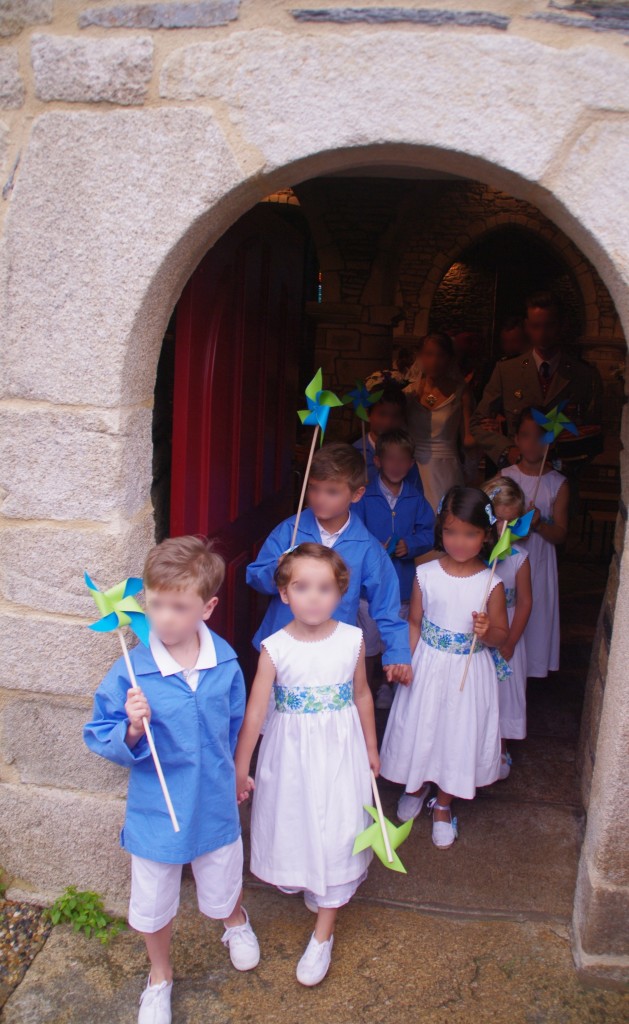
<point>436,732</point>
<point>313,774</point>
<point>512,691</point>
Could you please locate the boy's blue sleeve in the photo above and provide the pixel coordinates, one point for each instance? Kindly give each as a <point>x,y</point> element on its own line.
<point>423,536</point>
<point>260,573</point>
<point>105,734</point>
<point>381,587</point>
<point>237,702</point>
<point>358,509</point>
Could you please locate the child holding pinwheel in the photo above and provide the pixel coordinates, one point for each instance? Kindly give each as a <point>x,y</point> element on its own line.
<point>192,693</point>
<point>514,570</point>
<point>387,412</point>
<point>313,771</point>
<point>547,492</point>
<point>437,731</point>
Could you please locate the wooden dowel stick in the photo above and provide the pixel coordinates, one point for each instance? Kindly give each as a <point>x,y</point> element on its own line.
<point>539,477</point>
<point>383,827</point>
<point>468,660</point>
<point>304,485</point>
<point>149,736</point>
<point>364,435</point>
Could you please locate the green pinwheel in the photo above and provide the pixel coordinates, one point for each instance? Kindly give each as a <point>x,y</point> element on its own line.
<point>554,422</point>
<point>119,607</point>
<point>517,529</point>
<point>361,398</point>
<point>383,837</point>
<point>319,404</point>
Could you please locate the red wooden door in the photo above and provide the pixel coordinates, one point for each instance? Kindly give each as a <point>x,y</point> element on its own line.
<point>239,326</point>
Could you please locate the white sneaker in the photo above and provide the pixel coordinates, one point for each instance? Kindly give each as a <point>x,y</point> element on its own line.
<point>384,697</point>
<point>314,964</point>
<point>244,951</point>
<point>311,902</point>
<point>409,806</point>
<point>155,1003</point>
<point>505,766</point>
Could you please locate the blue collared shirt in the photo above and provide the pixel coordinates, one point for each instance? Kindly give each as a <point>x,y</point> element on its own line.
<point>412,476</point>
<point>371,574</point>
<point>195,733</point>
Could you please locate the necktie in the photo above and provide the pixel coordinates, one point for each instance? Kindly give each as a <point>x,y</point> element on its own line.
<point>544,377</point>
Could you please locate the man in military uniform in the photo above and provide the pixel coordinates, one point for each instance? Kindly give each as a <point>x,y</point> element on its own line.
<point>541,377</point>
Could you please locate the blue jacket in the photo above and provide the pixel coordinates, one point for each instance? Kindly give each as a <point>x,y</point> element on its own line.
<point>412,476</point>
<point>370,572</point>
<point>412,520</point>
<point>195,735</point>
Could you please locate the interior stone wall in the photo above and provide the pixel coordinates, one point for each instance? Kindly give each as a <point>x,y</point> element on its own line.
<point>131,137</point>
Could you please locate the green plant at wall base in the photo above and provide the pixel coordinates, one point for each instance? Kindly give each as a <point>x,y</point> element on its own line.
<point>85,912</point>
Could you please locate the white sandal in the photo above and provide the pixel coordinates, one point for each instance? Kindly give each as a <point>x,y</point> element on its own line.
<point>443,832</point>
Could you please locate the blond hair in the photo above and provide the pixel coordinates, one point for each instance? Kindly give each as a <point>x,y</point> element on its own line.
<point>339,461</point>
<point>503,491</point>
<point>180,563</point>
<point>284,571</point>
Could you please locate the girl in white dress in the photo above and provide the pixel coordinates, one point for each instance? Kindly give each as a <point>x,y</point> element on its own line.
<point>313,773</point>
<point>436,732</point>
<point>439,410</point>
<point>509,503</point>
<point>549,527</point>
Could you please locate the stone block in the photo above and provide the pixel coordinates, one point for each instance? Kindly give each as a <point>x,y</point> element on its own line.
<point>66,464</point>
<point>73,839</point>
<point>395,15</point>
<point>126,203</point>
<point>42,741</point>
<point>92,70</point>
<point>42,565</point>
<point>601,917</point>
<point>195,14</point>
<point>11,85</point>
<point>16,14</point>
<point>48,655</point>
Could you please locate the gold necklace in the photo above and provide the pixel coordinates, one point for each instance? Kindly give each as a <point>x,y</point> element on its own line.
<point>430,400</point>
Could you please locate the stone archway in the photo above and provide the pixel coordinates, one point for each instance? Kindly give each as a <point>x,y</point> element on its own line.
<point>111,212</point>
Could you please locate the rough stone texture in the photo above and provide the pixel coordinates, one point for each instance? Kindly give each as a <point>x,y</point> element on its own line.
<point>388,964</point>
<point>72,840</point>
<point>200,14</point>
<point>11,84</point>
<point>16,14</point>
<point>118,197</point>
<point>59,757</point>
<point>63,657</point>
<point>604,918</point>
<point>81,465</point>
<point>43,566</point>
<point>395,15</point>
<point>601,23</point>
<point>92,70</point>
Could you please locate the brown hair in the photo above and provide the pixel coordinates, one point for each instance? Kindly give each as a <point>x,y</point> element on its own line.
<point>399,437</point>
<point>180,563</point>
<point>284,571</point>
<point>502,491</point>
<point>339,461</point>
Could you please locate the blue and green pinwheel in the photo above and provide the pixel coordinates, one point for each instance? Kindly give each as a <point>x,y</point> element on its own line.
<point>554,422</point>
<point>361,398</point>
<point>372,837</point>
<point>516,529</point>
<point>319,402</point>
<point>118,607</point>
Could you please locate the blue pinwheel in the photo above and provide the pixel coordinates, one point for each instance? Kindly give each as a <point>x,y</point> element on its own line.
<point>553,422</point>
<point>119,607</point>
<point>319,404</point>
<point>517,528</point>
<point>361,398</point>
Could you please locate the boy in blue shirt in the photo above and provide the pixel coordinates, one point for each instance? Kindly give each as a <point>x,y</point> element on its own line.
<point>403,521</point>
<point>335,484</point>
<point>191,689</point>
<point>388,413</point>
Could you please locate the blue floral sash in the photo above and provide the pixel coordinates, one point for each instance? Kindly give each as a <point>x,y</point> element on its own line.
<point>311,700</point>
<point>460,643</point>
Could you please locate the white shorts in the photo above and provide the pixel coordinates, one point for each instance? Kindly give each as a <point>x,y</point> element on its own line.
<point>155,887</point>
<point>371,633</point>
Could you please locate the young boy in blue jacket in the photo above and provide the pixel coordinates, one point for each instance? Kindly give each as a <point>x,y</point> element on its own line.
<point>191,689</point>
<point>335,484</point>
<point>403,521</point>
<point>388,413</point>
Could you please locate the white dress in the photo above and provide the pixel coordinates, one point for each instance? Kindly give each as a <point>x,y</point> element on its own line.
<point>435,433</point>
<point>435,732</point>
<point>313,774</point>
<point>541,635</point>
<point>512,691</point>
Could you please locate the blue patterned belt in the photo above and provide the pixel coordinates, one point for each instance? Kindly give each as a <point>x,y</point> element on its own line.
<point>311,700</point>
<point>460,643</point>
<point>510,593</point>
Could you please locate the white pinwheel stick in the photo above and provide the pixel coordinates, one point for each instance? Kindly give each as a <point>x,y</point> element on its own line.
<point>483,608</point>
<point>381,821</point>
<point>539,476</point>
<point>149,737</point>
<point>304,485</point>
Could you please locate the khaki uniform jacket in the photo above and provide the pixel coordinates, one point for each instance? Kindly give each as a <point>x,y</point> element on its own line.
<point>514,385</point>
